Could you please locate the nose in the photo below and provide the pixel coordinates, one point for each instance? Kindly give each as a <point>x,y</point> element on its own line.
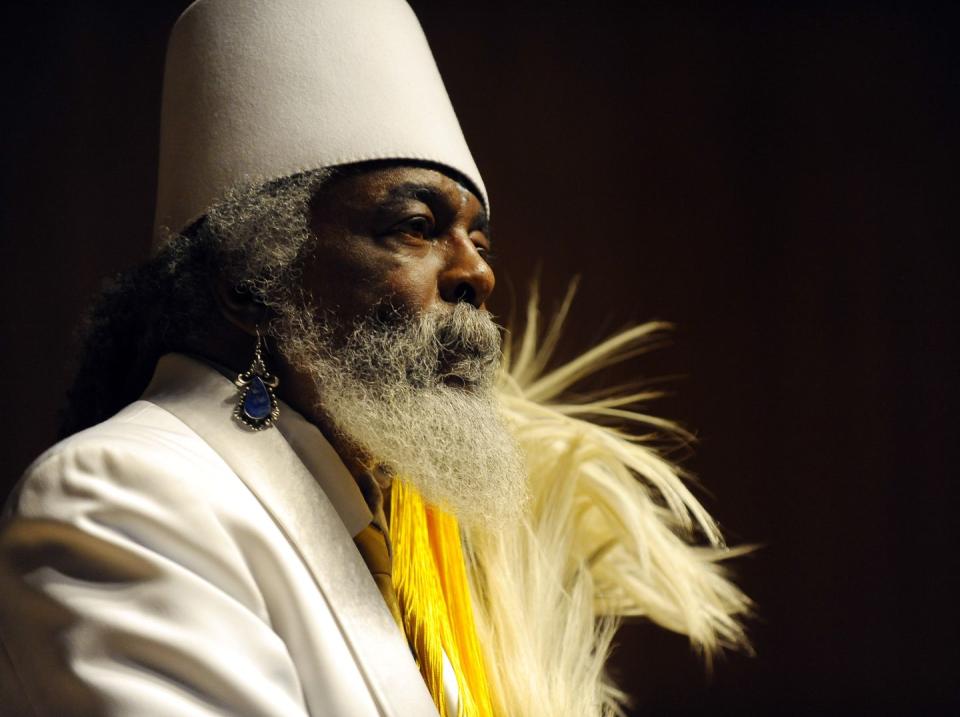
<point>466,276</point>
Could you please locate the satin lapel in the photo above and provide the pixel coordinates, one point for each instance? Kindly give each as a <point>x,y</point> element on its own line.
<point>263,460</point>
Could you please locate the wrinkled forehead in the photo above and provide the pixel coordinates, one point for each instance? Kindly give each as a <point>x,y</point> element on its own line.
<point>386,175</point>
<point>391,182</point>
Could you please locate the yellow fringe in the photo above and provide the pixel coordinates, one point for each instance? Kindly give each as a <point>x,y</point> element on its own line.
<point>430,578</point>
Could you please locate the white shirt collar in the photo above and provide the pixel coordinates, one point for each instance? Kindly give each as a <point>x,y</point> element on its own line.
<point>319,457</point>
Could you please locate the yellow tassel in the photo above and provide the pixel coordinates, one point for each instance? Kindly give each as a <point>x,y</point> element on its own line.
<point>430,578</point>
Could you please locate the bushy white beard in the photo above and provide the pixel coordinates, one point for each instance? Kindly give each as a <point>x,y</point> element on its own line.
<point>416,395</point>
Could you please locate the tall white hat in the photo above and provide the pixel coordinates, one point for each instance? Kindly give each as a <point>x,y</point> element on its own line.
<point>260,89</point>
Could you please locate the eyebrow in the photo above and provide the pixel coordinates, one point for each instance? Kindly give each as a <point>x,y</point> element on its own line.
<point>415,190</point>
<point>431,195</point>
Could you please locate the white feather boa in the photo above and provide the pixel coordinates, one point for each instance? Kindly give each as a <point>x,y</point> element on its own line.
<point>611,530</point>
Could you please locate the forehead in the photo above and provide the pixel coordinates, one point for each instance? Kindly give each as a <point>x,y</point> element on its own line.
<point>379,185</point>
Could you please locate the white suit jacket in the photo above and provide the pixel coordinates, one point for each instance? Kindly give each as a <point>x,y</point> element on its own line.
<point>170,562</point>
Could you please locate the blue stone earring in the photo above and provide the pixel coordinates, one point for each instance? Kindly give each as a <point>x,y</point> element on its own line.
<point>257,406</point>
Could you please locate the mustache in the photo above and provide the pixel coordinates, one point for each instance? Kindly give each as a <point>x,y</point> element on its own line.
<point>468,344</point>
<point>456,345</point>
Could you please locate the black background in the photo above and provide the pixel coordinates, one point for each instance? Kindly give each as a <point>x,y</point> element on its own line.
<point>778,181</point>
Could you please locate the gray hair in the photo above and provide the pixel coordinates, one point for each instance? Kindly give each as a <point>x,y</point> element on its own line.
<point>255,238</point>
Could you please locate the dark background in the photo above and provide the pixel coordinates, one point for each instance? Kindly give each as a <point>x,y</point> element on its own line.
<point>780,183</point>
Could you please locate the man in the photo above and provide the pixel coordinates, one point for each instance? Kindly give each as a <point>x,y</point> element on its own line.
<point>298,478</point>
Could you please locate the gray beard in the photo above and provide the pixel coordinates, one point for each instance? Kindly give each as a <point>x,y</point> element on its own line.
<point>416,396</point>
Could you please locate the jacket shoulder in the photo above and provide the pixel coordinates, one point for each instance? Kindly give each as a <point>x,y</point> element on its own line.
<point>143,448</point>
<point>142,427</point>
<point>147,483</point>
<point>130,553</point>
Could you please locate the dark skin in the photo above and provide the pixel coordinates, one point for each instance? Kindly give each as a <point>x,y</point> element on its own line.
<point>409,235</point>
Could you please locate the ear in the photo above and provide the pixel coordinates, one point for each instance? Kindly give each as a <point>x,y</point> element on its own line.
<point>239,306</point>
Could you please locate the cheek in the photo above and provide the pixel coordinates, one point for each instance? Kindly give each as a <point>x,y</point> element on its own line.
<point>413,283</point>
<point>350,277</point>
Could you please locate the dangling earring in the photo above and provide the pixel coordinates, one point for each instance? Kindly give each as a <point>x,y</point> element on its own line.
<point>257,406</point>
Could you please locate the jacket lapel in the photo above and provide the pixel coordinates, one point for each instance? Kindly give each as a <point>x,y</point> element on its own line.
<point>204,401</point>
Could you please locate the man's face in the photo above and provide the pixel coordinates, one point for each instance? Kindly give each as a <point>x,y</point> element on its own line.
<point>394,346</point>
<point>404,238</point>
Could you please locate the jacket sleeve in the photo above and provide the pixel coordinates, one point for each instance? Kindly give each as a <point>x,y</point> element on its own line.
<point>125,591</point>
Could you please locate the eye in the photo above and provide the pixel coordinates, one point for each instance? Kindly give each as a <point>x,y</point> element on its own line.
<point>482,248</point>
<point>485,254</point>
<point>419,226</point>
